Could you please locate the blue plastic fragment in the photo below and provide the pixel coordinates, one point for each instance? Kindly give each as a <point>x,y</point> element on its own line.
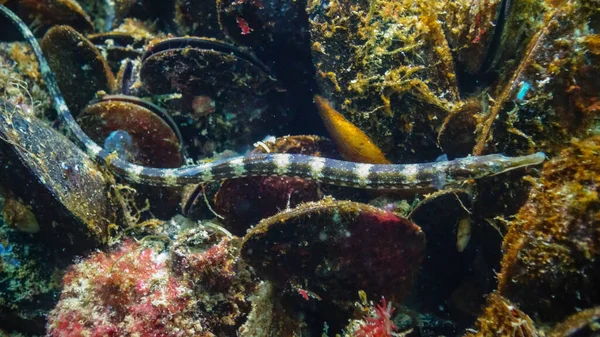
<point>525,86</point>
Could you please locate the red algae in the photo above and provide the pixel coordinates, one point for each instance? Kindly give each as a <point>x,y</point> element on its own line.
<point>141,291</point>
<point>380,325</point>
<point>123,293</point>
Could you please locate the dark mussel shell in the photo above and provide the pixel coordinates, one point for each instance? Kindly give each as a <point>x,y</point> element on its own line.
<point>336,248</point>
<point>127,78</point>
<point>277,31</point>
<point>224,91</point>
<point>244,202</point>
<point>68,191</point>
<point>142,133</point>
<point>486,34</point>
<point>202,65</point>
<point>118,46</point>
<point>156,138</point>
<point>457,134</point>
<point>471,27</point>
<point>80,69</point>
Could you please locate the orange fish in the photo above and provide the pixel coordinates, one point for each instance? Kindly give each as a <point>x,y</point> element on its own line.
<point>351,141</point>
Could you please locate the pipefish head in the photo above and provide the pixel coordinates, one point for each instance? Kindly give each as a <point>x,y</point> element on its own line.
<point>494,164</point>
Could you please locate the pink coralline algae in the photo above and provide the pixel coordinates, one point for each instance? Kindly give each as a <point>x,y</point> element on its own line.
<point>124,293</point>
<point>133,291</point>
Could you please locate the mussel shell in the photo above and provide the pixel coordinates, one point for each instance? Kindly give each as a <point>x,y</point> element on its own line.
<point>155,141</point>
<point>202,66</point>
<point>80,69</point>
<point>65,187</point>
<point>151,10</point>
<point>51,12</point>
<point>226,93</point>
<point>390,75</point>
<point>244,202</point>
<point>470,27</point>
<point>158,141</point>
<point>118,46</point>
<point>528,113</point>
<point>336,248</point>
<point>457,134</point>
<point>485,34</point>
<point>277,31</point>
<point>126,78</point>
<point>503,318</point>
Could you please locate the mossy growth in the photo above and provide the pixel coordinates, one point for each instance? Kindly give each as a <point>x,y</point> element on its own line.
<point>551,265</point>
<point>503,319</point>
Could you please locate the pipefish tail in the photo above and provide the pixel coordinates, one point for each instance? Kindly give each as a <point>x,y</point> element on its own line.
<point>330,171</point>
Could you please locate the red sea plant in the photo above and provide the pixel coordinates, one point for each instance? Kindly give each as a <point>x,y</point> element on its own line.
<point>380,325</point>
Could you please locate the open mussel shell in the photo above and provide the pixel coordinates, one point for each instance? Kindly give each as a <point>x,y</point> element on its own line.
<point>155,140</point>
<point>224,91</point>
<point>470,27</point>
<point>486,34</point>
<point>127,78</point>
<point>68,191</point>
<point>80,69</point>
<point>336,248</point>
<point>277,31</point>
<point>142,133</point>
<point>118,46</point>
<point>200,65</point>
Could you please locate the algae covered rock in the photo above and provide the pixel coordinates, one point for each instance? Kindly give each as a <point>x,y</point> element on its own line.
<point>195,288</point>
<point>551,265</point>
<point>387,67</point>
<point>501,318</point>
